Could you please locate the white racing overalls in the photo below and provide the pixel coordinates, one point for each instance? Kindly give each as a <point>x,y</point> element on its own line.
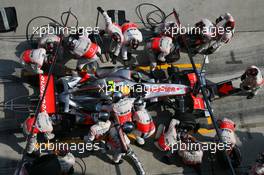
<point>130,31</point>
<point>190,157</point>
<point>227,131</point>
<point>166,140</point>
<point>33,59</point>
<point>123,111</point>
<point>114,28</point>
<point>43,125</point>
<point>145,126</point>
<point>158,49</point>
<point>116,144</point>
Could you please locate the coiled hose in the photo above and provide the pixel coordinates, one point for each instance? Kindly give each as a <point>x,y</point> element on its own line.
<point>60,24</point>
<point>153,17</point>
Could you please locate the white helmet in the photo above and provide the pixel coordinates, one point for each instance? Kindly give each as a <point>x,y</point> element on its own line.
<point>207,27</point>
<point>44,123</point>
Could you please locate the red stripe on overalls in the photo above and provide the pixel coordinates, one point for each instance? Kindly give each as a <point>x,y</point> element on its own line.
<point>29,124</point>
<point>162,144</point>
<point>145,128</point>
<point>192,78</point>
<point>125,118</point>
<point>227,125</point>
<point>155,45</point>
<point>91,51</point>
<point>26,56</point>
<point>127,26</point>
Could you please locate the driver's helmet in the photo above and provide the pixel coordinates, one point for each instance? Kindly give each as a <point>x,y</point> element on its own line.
<point>117,96</point>
<point>125,90</point>
<point>90,67</point>
<point>128,127</point>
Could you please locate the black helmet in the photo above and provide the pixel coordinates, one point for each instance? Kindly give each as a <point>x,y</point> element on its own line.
<point>252,72</point>
<point>139,103</point>
<point>128,127</point>
<point>116,37</point>
<point>134,43</point>
<point>117,96</point>
<point>261,158</point>
<point>50,47</point>
<point>70,42</point>
<point>103,116</point>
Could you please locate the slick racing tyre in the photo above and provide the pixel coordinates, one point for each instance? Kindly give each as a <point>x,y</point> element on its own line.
<point>139,167</point>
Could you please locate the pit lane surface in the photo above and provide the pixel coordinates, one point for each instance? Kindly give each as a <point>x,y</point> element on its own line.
<point>245,49</point>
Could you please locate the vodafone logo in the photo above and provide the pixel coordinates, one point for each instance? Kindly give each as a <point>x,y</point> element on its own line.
<point>48,104</point>
<point>42,88</point>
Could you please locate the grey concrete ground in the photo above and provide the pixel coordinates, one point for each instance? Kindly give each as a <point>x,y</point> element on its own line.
<point>245,49</point>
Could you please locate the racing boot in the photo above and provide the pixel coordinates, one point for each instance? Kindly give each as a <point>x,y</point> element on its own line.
<point>140,141</point>
<point>114,58</point>
<point>251,95</point>
<point>117,158</point>
<point>49,136</point>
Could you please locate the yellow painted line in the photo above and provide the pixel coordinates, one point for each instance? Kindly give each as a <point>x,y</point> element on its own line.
<point>166,66</point>
<point>209,120</point>
<point>203,131</point>
<point>207,131</point>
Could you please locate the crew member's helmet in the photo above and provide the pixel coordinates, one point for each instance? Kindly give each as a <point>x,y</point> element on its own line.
<point>116,37</point>
<point>134,43</point>
<point>206,28</point>
<point>252,71</point>
<point>230,22</point>
<point>103,116</point>
<point>70,41</point>
<point>50,47</point>
<point>117,96</point>
<point>128,127</point>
